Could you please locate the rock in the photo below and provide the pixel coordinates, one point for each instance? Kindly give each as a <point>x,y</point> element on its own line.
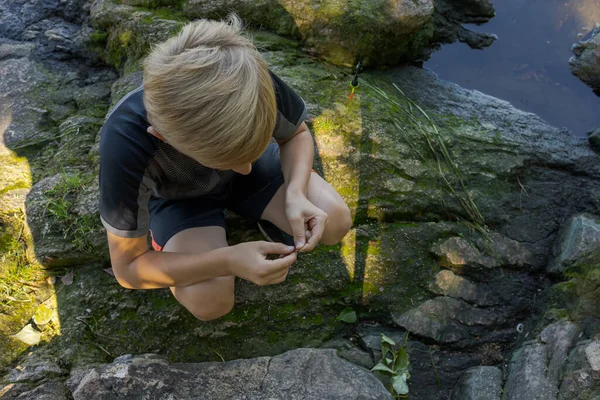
<point>476,10</point>
<point>535,367</point>
<point>381,32</point>
<point>526,375</point>
<point>479,383</point>
<point>577,244</point>
<point>524,176</point>
<point>480,257</point>
<point>342,32</point>
<point>33,371</point>
<point>585,64</point>
<point>446,320</point>
<point>77,134</point>
<point>61,40</point>
<point>594,139</point>
<point>449,284</point>
<point>476,40</point>
<point>13,49</point>
<point>52,215</point>
<point>350,352</point>
<point>21,76</point>
<point>592,352</point>
<point>134,31</point>
<point>560,338</point>
<point>581,379</point>
<point>124,85</point>
<point>47,391</point>
<point>299,374</point>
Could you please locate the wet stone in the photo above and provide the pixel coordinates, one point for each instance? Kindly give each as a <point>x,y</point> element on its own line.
<point>479,383</point>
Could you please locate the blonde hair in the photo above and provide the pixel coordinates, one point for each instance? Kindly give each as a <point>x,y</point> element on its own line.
<point>209,93</point>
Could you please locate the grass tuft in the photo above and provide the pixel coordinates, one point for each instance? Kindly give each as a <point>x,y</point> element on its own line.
<point>61,206</point>
<point>419,121</point>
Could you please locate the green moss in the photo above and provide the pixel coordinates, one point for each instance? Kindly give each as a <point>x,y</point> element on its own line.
<point>577,297</point>
<point>156,4</point>
<point>78,229</point>
<point>97,40</point>
<point>163,13</point>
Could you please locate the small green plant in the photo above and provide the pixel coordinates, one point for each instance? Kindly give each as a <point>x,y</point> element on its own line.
<point>394,365</point>
<point>73,226</point>
<point>347,315</point>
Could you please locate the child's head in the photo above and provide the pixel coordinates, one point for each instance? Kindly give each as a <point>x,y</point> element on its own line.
<point>209,93</point>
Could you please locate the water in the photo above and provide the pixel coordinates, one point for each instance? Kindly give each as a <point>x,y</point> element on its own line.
<point>528,64</point>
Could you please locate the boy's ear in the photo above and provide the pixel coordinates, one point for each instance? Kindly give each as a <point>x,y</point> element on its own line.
<point>154,133</point>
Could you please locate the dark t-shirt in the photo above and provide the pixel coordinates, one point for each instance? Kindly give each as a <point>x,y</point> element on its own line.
<point>135,165</point>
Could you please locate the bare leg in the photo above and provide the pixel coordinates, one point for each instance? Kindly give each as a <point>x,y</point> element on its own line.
<point>209,299</point>
<point>322,195</point>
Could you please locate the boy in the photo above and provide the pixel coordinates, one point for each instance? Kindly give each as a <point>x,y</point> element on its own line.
<point>195,139</point>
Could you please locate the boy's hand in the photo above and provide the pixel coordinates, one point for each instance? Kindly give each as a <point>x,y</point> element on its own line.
<point>249,261</point>
<point>307,221</point>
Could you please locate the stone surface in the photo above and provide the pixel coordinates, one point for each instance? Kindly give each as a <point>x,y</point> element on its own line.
<point>301,374</point>
<point>526,375</point>
<point>477,258</point>
<point>525,177</point>
<point>479,383</point>
<point>447,283</point>
<point>577,244</point>
<point>592,352</point>
<point>377,32</point>
<point>560,338</point>
<point>46,391</point>
<point>585,63</point>
<point>536,367</point>
<point>447,320</point>
<point>580,380</point>
<point>350,351</point>
<point>34,371</point>
<point>594,139</point>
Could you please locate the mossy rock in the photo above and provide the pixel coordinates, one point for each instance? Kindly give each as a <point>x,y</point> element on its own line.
<point>376,269</point>
<point>376,32</point>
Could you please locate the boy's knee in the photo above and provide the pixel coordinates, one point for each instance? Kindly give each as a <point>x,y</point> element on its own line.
<point>339,223</point>
<point>209,312</point>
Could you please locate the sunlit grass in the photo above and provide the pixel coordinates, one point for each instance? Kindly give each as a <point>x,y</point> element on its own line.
<point>17,274</point>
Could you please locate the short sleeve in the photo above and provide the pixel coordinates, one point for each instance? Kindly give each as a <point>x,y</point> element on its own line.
<point>291,110</point>
<point>125,152</point>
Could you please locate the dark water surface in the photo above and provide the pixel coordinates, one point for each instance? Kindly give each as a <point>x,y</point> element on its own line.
<point>528,64</point>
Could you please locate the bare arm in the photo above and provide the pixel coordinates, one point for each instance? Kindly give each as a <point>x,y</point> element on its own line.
<point>136,267</point>
<point>297,155</point>
<point>306,220</point>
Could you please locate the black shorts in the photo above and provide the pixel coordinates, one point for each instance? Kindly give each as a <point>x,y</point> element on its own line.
<point>247,195</point>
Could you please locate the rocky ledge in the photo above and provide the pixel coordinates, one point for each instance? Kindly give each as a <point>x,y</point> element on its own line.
<point>585,63</point>
<point>475,224</point>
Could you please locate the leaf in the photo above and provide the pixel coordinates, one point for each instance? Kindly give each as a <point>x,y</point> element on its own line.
<point>387,340</point>
<point>42,315</point>
<point>402,360</point>
<point>28,335</point>
<point>399,383</point>
<point>347,315</point>
<point>385,349</point>
<point>67,279</point>
<point>381,367</point>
